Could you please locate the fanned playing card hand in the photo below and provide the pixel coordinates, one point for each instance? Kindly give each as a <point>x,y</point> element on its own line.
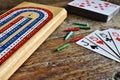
<point>105,42</point>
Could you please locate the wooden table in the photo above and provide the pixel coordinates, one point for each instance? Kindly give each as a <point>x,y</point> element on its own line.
<point>72,63</point>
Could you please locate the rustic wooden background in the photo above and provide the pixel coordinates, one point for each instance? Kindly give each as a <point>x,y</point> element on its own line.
<point>72,63</point>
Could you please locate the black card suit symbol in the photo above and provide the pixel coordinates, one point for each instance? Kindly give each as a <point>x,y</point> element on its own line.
<point>108,39</point>
<point>94,47</point>
<point>117,76</point>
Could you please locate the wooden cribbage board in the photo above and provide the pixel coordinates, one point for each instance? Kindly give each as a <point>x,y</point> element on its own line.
<point>22,30</point>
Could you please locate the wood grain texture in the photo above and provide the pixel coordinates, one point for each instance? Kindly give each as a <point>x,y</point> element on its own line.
<point>72,63</point>
<point>18,58</point>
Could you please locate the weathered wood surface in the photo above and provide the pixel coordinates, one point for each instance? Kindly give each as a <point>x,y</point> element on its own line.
<point>72,63</point>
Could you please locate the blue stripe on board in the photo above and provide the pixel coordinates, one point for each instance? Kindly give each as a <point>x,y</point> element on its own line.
<point>15,29</point>
<point>24,30</point>
<point>14,15</point>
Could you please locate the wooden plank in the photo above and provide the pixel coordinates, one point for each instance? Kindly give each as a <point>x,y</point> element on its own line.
<point>18,58</point>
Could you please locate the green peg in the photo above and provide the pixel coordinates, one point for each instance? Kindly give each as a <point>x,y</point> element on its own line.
<point>63,47</point>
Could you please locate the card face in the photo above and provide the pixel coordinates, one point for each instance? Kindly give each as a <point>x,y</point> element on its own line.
<point>107,39</point>
<point>115,34</point>
<point>106,43</point>
<point>90,45</point>
<point>103,11</point>
<point>95,39</point>
<point>96,6</point>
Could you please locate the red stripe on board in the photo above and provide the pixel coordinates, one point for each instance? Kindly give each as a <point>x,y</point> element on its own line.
<point>21,43</point>
<point>11,24</point>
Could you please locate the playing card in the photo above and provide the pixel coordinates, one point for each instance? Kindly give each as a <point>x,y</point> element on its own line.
<point>104,36</point>
<point>95,39</point>
<point>90,45</point>
<point>115,35</point>
<point>94,9</point>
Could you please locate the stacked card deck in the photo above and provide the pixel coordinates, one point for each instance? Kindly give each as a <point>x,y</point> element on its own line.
<point>106,43</point>
<point>94,9</point>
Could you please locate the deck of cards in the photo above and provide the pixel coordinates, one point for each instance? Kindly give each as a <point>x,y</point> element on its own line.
<point>106,43</point>
<point>94,9</point>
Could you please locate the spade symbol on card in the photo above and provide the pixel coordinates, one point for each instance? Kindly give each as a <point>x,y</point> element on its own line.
<point>105,36</point>
<point>100,42</point>
<point>93,46</point>
<point>118,39</point>
<point>108,39</point>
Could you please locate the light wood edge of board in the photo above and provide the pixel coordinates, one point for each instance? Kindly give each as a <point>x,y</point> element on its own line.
<point>18,58</point>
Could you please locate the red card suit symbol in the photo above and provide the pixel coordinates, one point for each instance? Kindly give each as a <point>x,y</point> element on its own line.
<point>93,2</point>
<point>106,3</point>
<point>118,38</point>
<point>95,6</point>
<point>82,5</point>
<point>115,34</point>
<point>100,42</point>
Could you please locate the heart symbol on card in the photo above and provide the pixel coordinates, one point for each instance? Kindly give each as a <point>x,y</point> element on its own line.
<point>118,38</point>
<point>100,42</point>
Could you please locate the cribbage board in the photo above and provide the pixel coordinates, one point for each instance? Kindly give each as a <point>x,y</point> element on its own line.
<point>22,30</point>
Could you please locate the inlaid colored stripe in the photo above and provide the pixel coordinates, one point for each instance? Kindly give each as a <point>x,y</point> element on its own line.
<point>10,24</point>
<point>19,39</point>
<point>13,29</point>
